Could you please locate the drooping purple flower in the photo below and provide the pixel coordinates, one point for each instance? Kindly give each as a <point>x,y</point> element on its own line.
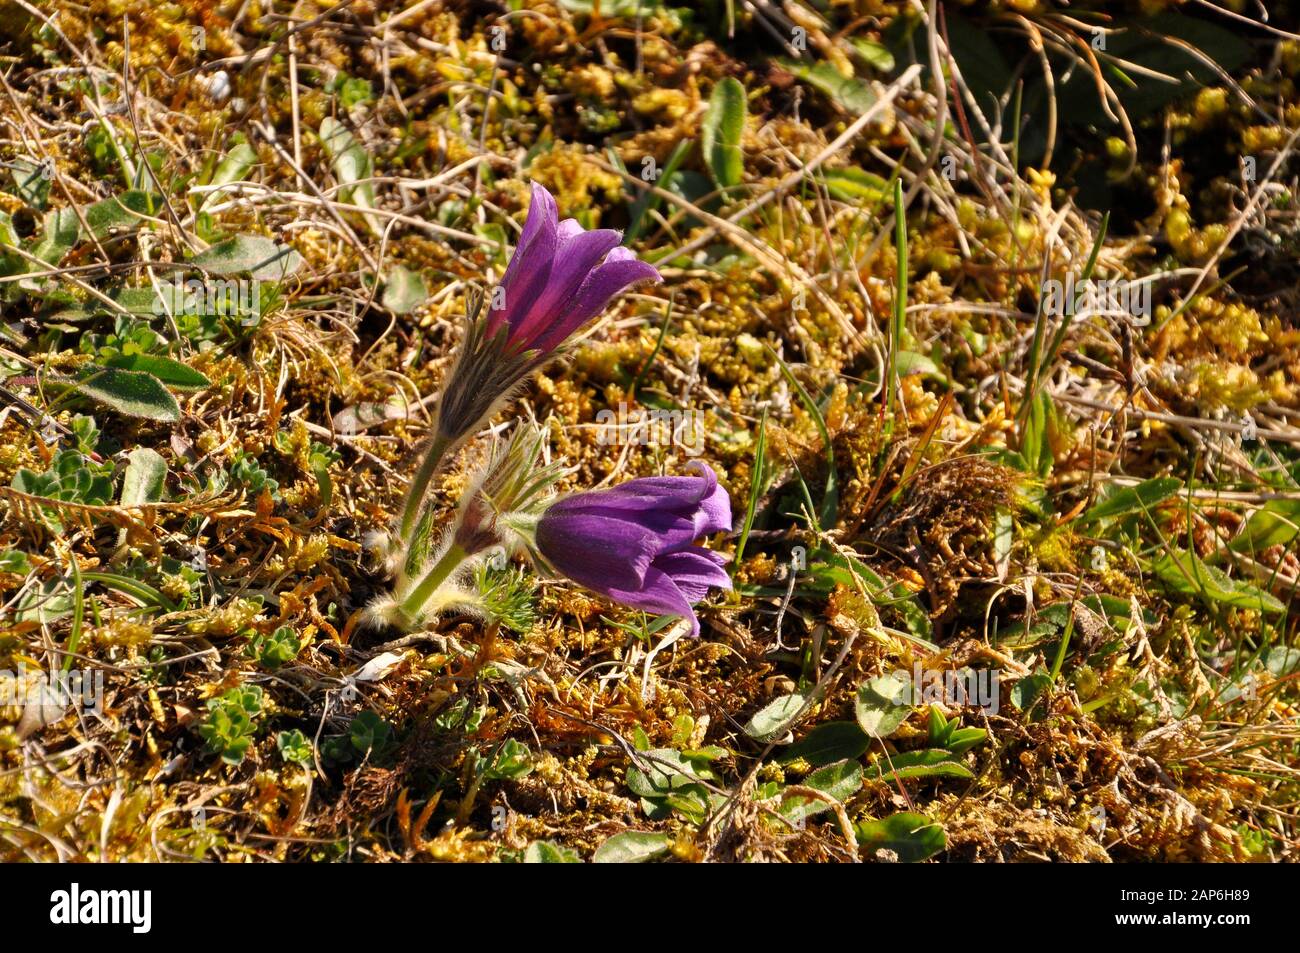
<point>560,277</point>
<point>635,542</point>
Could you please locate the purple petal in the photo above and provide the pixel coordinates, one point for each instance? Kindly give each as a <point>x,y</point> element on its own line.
<point>665,491</point>
<point>582,250</point>
<point>715,504</point>
<point>542,215</point>
<point>634,542</point>
<point>680,494</point>
<point>659,594</point>
<point>531,264</point>
<point>694,571</point>
<point>621,253</point>
<point>607,527</point>
<point>598,549</point>
<point>699,498</point>
<point>573,261</point>
<point>620,271</point>
<point>569,229</point>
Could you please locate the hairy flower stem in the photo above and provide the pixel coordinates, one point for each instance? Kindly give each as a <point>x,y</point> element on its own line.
<point>435,577</point>
<point>420,485</point>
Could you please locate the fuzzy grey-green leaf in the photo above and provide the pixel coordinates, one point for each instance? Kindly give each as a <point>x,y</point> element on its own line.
<point>254,255</point>
<point>133,393</point>
<point>880,707</point>
<point>775,718</point>
<point>631,847</point>
<point>404,291</point>
<point>146,472</point>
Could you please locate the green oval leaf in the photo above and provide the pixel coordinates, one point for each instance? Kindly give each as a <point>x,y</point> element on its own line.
<point>879,706</point>
<point>1026,691</point>
<point>133,393</point>
<point>848,92</point>
<point>829,742</point>
<point>876,55</point>
<point>1133,499</point>
<point>168,370</point>
<point>61,230</point>
<point>852,184</point>
<point>631,847</point>
<point>775,718</point>
<point>353,167</point>
<point>841,781</point>
<point>404,291</point>
<point>233,168</point>
<point>1275,524</point>
<point>255,255</point>
<point>143,481</point>
<point>913,837</point>
<point>931,763</point>
<point>1186,573</point>
<point>723,129</point>
<point>544,852</point>
<point>664,770</point>
<point>120,211</point>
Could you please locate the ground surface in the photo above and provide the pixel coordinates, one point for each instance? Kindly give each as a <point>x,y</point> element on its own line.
<point>1096,510</point>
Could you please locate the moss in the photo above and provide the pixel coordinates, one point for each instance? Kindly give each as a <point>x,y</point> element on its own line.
<point>921,499</point>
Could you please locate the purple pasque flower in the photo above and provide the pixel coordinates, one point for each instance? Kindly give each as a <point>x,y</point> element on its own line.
<point>560,277</point>
<point>635,542</point>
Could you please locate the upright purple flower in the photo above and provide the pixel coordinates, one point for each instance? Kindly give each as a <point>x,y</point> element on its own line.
<point>556,282</point>
<point>635,542</point>
<point>559,278</point>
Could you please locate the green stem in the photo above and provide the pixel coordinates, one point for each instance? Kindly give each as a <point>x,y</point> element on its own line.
<point>78,614</point>
<point>434,578</point>
<point>420,485</point>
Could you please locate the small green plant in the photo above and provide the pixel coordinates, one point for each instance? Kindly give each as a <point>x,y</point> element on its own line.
<point>319,459</point>
<point>73,477</point>
<point>667,780</point>
<point>294,747</point>
<point>461,715</point>
<point>370,733</point>
<point>512,761</point>
<point>248,473</point>
<point>945,733</point>
<point>276,649</point>
<point>130,336</point>
<point>15,561</point>
<point>229,729</point>
<point>351,90</point>
<point>368,736</point>
<point>546,852</point>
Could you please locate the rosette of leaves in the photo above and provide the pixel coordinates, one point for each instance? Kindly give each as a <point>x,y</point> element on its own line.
<point>229,726</point>
<point>73,477</point>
